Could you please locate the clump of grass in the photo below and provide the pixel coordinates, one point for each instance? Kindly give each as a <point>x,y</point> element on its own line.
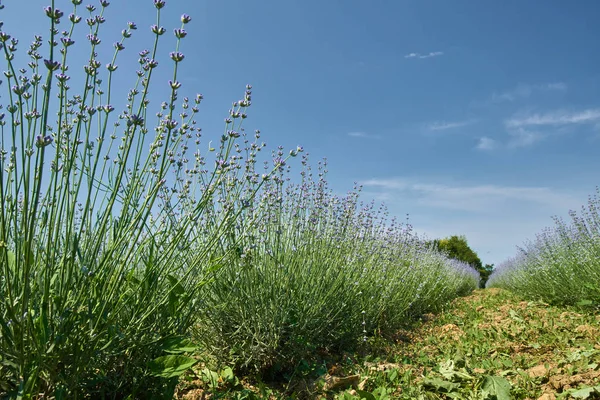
<point>318,273</point>
<point>108,227</point>
<point>562,265</point>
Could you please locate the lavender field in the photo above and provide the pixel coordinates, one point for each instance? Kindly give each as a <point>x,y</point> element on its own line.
<point>137,250</point>
<point>129,239</point>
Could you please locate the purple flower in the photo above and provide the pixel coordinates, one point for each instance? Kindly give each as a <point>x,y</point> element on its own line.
<point>159,4</point>
<point>152,64</point>
<point>132,26</point>
<point>51,65</point>
<point>93,39</point>
<point>54,14</point>
<point>158,30</point>
<point>104,3</point>
<point>180,33</point>
<point>74,18</point>
<point>185,18</point>
<point>135,120</point>
<point>67,41</point>
<point>62,77</point>
<point>176,56</point>
<point>43,141</point>
<point>119,46</point>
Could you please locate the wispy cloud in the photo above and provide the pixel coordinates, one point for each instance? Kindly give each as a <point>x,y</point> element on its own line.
<point>363,135</point>
<point>555,118</point>
<point>554,86</point>
<point>442,126</point>
<point>428,55</point>
<point>521,137</point>
<point>474,198</point>
<point>486,143</point>
<point>524,90</point>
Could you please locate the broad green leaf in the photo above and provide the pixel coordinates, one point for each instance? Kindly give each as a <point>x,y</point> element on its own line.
<point>448,371</point>
<point>210,377</point>
<point>228,375</point>
<point>178,344</point>
<point>585,393</point>
<point>496,387</point>
<point>365,395</point>
<point>171,366</point>
<point>440,385</point>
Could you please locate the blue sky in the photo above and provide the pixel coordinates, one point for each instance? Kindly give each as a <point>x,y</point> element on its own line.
<point>475,118</point>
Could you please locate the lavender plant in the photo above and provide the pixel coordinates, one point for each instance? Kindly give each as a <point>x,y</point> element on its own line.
<point>318,272</point>
<point>108,227</point>
<point>562,264</point>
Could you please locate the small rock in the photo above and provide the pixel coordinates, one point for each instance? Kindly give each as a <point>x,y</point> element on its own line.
<point>547,396</point>
<point>537,371</point>
<point>339,383</point>
<point>363,383</point>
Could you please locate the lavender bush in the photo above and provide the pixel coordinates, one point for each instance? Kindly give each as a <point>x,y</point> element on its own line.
<point>562,264</point>
<point>105,231</point>
<point>316,271</point>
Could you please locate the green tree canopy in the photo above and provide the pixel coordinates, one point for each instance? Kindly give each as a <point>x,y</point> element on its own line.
<point>458,248</point>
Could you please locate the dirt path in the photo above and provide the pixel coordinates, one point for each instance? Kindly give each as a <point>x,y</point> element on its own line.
<point>489,345</point>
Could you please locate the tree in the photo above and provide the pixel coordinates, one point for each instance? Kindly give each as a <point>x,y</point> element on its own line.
<point>458,248</point>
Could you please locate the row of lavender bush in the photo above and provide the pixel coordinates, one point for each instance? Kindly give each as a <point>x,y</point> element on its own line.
<point>314,270</point>
<point>120,237</point>
<point>562,264</point>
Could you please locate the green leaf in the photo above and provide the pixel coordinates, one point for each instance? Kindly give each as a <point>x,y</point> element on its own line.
<point>585,393</point>
<point>448,371</point>
<point>365,395</point>
<point>228,375</point>
<point>496,387</point>
<point>210,377</point>
<point>171,366</point>
<point>440,385</point>
<point>584,303</point>
<point>178,344</point>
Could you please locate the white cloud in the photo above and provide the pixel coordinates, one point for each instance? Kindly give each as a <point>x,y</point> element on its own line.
<point>476,198</point>
<point>521,137</point>
<point>555,118</point>
<point>524,90</point>
<point>442,126</point>
<point>486,143</point>
<point>363,135</point>
<point>386,183</point>
<point>554,86</point>
<point>494,217</point>
<point>428,55</point>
